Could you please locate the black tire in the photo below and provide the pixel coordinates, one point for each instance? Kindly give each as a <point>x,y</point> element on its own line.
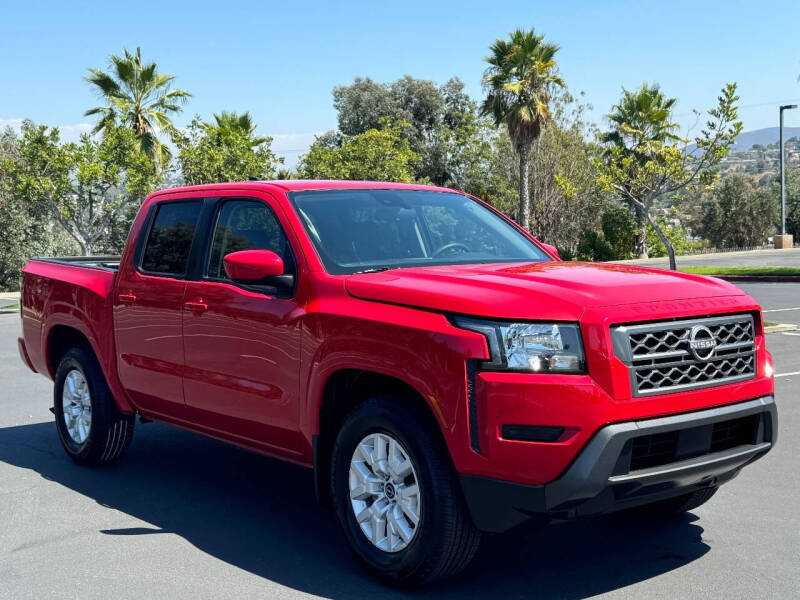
<point>674,506</point>
<point>445,538</point>
<point>110,432</point>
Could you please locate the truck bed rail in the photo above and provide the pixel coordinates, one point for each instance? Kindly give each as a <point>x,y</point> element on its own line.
<point>104,263</point>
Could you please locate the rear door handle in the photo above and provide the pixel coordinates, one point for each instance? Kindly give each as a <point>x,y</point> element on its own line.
<point>198,306</point>
<point>127,298</point>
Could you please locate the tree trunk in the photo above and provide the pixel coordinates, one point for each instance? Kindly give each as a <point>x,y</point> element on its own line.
<point>641,232</point>
<point>524,216</point>
<point>667,244</point>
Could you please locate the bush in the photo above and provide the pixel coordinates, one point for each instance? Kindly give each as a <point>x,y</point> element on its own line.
<point>676,234</point>
<point>594,247</point>
<point>738,214</point>
<point>619,230</point>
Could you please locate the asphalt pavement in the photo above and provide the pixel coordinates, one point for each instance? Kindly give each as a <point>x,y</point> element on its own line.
<point>183,516</point>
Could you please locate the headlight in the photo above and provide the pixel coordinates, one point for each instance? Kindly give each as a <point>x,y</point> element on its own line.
<point>530,347</point>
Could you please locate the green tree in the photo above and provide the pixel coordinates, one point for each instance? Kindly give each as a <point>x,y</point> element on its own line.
<point>442,126</point>
<point>619,229</point>
<point>26,227</point>
<point>239,123</point>
<point>519,82</point>
<point>660,168</point>
<point>475,155</point>
<point>593,246</point>
<point>641,117</point>
<point>792,202</point>
<point>363,105</point>
<point>674,231</point>
<point>739,214</point>
<point>566,198</point>
<point>224,150</point>
<point>616,239</point>
<point>85,187</point>
<point>138,96</point>
<point>378,154</point>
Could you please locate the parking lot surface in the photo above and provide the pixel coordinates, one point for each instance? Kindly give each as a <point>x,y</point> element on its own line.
<point>182,516</point>
<point>749,258</point>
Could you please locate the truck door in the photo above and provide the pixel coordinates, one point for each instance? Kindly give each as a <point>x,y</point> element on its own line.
<point>242,343</point>
<point>148,309</point>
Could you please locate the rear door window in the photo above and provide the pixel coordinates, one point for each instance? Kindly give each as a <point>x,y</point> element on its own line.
<point>170,239</point>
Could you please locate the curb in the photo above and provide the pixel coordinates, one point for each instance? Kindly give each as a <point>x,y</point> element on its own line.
<point>780,327</point>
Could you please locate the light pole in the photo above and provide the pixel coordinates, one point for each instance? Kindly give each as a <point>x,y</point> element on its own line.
<point>783,174</point>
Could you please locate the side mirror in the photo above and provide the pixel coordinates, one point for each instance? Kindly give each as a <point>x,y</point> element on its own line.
<point>252,266</point>
<point>551,250</point>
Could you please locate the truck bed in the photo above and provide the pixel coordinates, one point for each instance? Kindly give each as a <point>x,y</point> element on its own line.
<point>73,292</point>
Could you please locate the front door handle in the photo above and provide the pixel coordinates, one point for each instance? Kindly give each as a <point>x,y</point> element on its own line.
<point>127,298</point>
<point>196,306</point>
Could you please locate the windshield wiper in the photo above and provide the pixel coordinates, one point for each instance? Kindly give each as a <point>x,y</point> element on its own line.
<point>373,270</point>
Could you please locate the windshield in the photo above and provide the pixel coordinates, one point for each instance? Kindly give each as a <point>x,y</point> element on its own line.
<point>367,230</point>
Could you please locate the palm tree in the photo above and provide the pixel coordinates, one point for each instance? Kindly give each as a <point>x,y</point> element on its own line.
<point>519,80</point>
<point>139,96</point>
<point>234,122</point>
<point>641,118</point>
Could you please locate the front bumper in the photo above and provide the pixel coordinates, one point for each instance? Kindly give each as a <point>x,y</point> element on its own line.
<point>604,476</point>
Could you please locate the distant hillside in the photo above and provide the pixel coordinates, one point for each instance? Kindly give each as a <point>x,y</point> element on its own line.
<point>766,136</point>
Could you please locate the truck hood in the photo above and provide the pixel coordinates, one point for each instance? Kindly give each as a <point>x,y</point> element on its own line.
<point>551,290</point>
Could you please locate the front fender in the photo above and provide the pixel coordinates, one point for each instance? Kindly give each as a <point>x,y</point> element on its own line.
<point>421,349</point>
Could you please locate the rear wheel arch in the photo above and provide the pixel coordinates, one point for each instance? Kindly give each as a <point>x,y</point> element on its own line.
<point>344,391</point>
<point>60,340</point>
<point>91,429</point>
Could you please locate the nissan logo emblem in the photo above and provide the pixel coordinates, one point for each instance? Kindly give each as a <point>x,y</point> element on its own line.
<point>702,342</point>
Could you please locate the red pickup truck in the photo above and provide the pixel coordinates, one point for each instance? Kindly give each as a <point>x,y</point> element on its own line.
<point>441,371</point>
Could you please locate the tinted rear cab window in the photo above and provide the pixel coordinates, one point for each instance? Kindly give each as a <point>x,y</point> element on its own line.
<point>170,239</point>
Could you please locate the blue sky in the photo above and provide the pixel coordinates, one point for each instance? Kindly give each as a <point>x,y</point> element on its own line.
<point>281,60</point>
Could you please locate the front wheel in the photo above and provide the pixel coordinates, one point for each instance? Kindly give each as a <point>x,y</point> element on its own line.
<point>91,428</point>
<point>397,497</point>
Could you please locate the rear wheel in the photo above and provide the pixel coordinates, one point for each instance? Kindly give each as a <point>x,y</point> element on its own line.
<point>397,497</point>
<point>91,428</point>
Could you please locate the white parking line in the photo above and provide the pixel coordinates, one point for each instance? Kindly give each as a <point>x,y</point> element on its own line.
<point>787,374</point>
<point>780,309</point>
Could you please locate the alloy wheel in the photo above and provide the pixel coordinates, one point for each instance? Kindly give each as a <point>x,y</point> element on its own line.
<point>76,402</point>
<point>384,492</point>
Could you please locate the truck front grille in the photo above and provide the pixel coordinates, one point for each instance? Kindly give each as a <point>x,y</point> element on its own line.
<point>681,355</point>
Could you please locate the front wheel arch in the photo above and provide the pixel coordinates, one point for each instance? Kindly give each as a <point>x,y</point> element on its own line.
<point>345,390</point>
